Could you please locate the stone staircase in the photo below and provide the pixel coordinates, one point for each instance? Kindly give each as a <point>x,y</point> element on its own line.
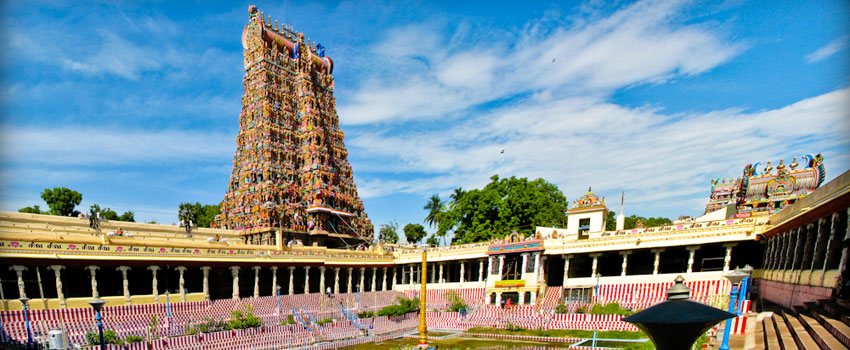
<point>824,325</point>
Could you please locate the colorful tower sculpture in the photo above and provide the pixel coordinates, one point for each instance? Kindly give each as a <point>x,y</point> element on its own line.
<point>291,167</point>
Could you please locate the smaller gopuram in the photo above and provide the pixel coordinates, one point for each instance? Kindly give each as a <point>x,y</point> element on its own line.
<point>290,169</point>
<point>763,189</point>
<point>587,214</point>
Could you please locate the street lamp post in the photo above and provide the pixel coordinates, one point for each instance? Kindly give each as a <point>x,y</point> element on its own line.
<point>97,305</point>
<point>25,305</point>
<point>735,278</point>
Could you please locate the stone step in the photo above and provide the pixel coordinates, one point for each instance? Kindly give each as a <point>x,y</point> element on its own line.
<point>823,337</point>
<point>759,336</point>
<point>785,337</point>
<point>771,340</point>
<point>839,329</point>
<point>801,335</point>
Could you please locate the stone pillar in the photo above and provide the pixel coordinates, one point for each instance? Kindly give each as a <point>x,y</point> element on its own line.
<point>206,271</point>
<point>181,283</point>
<point>820,243</point>
<point>350,272</point>
<point>595,263</point>
<point>306,279</point>
<point>657,262</point>
<point>811,241</point>
<point>19,271</point>
<point>440,279</point>
<point>834,251</point>
<point>498,298</point>
<point>291,282</point>
<point>692,251</point>
<point>125,283</point>
<point>728,258</point>
<point>234,273</point>
<point>541,271</point>
<point>57,270</point>
<point>256,281</point>
<point>462,271</point>
<point>481,270</point>
<point>489,266</point>
<point>321,279</point>
<point>154,283</point>
<point>93,272</point>
<point>845,252</point>
<point>533,300</point>
<point>374,277</point>
<point>524,265</point>
<point>537,263</point>
<point>625,264</point>
<point>411,279</point>
<point>566,268</point>
<point>384,279</point>
<point>336,280</point>
<point>274,280</point>
<point>392,278</point>
<point>501,267</point>
<point>362,279</point>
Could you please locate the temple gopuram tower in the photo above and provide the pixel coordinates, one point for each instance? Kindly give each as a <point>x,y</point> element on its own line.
<point>291,169</point>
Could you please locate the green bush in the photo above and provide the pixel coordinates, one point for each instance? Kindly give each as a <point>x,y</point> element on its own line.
<point>561,309</point>
<point>609,309</point>
<point>581,310</point>
<point>242,319</point>
<point>366,314</point>
<point>456,303</point>
<point>289,320</point>
<point>404,306</point>
<point>513,328</point>
<point>133,339</point>
<point>324,321</point>
<point>109,337</point>
<point>206,326</point>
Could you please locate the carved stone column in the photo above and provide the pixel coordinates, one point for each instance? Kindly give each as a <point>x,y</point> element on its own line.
<point>594,265</point>
<point>19,271</point>
<point>501,266</point>
<point>234,273</point>
<point>181,282</point>
<point>256,281</point>
<point>524,266</point>
<point>57,270</point>
<point>274,280</point>
<point>727,260</point>
<point>321,279</point>
<point>374,278</point>
<point>93,272</point>
<point>625,264</point>
<point>291,283</point>
<point>462,271</point>
<point>481,270</point>
<point>350,272</point>
<point>125,283</point>
<point>657,261</point>
<point>206,271</point>
<point>411,276</point>
<point>306,279</point>
<point>566,268</point>
<point>336,280</point>
<point>362,279</point>
<point>154,283</point>
<point>384,279</point>
<point>440,278</point>
<point>691,253</point>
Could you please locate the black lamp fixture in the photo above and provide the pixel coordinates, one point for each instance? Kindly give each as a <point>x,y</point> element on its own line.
<point>676,323</point>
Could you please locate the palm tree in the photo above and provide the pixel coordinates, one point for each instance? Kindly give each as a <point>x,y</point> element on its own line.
<point>434,206</point>
<point>455,196</point>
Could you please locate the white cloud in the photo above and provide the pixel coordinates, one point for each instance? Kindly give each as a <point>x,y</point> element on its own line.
<point>426,76</point>
<point>828,50</point>
<point>580,142</point>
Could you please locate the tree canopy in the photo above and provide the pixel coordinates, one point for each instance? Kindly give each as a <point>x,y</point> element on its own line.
<point>201,214</point>
<point>631,221</point>
<point>502,206</point>
<point>414,233</point>
<point>109,214</point>
<point>35,209</point>
<point>432,241</point>
<point>388,232</point>
<point>61,200</point>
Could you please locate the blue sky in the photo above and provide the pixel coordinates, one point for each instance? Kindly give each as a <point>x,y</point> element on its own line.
<point>135,104</point>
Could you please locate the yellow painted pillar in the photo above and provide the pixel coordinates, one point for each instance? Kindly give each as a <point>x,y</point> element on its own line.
<point>423,327</point>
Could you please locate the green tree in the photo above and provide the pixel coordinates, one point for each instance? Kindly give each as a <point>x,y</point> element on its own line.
<point>502,206</point>
<point>632,221</point>
<point>432,241</point>
<point>201,214</point>
<point>109,214</point>
<point>35,209</point>
<point>388,232</point>
<point>414,233</point>
<point>61,200</point>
